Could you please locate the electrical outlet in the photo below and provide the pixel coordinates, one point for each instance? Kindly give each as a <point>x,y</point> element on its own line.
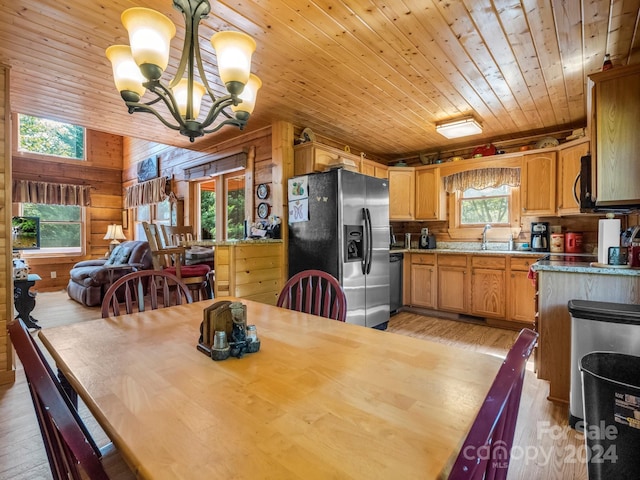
<point>54,274</point>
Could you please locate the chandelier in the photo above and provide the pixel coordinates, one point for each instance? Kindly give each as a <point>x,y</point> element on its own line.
<point>137,68</point>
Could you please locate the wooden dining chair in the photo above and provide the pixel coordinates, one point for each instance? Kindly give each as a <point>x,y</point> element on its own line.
<point>144,290</point>
<point>315,292</point>
<point>71,451</point>
<point>174,235</point>
<point>485,453</point>
<point>173,260</point>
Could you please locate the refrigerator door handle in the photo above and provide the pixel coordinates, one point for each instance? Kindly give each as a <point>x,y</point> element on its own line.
<point>365,253</point>
<point>369,242</point>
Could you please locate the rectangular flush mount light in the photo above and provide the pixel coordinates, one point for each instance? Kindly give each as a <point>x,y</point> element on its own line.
<point>459,128</point>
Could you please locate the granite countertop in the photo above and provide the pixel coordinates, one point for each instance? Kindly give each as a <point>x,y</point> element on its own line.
<point>213,243</point>
<point>582,267</point>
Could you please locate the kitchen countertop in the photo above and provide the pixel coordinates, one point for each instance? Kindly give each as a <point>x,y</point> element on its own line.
<point>469,251</point>
<point>213,243</point>
<point>581,267</point>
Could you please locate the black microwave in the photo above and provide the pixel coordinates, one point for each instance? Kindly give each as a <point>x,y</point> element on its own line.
<point>588,202</point>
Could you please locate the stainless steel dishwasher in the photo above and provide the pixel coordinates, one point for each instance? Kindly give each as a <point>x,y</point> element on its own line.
<point>395,281</point>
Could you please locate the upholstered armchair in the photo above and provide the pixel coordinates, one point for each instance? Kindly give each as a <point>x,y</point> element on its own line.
<point>90,279</point>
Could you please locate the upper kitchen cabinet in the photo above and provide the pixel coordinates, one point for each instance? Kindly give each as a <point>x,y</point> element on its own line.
<point>538,184</point>
<point>430,195</point>
<point>568,177</point>
<point>314,157</point>
<point>374,169</point>
<point>402,193</point>
<point>616,117</point>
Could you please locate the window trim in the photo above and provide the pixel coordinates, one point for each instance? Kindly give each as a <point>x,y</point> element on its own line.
<point>459,231</point>
<point>53,253</point>
<point>16,152</point>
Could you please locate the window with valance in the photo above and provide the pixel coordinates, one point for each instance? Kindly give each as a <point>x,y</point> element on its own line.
<point>146,193</point>
<point>482,178</point>
<point>29,191</point>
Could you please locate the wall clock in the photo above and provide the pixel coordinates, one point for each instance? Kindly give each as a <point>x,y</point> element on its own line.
<point>263,210</point>
<point>263,191</point>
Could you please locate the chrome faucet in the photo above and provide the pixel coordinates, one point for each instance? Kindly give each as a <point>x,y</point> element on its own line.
<point>484,237</point>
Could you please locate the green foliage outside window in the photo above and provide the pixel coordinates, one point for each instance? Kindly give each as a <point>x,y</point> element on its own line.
<point>235,214</point>
<point>208,214</point>
<point>490,205</point>
<point>48,137</point>
<point>60,225</point>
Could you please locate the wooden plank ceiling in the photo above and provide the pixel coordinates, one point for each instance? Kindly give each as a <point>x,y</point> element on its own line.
<point>374,74</point>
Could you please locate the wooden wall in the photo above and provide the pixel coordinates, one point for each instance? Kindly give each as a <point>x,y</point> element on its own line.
<point>103,172</point>
<point>173,161</point>
<point>7,374</point>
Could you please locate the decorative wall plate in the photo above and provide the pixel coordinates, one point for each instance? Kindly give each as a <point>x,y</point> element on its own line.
<point>262,191</point>
<point>263,210</point>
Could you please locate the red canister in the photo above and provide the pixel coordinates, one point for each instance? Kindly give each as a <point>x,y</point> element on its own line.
<point>573,242</point>
<point>634,255</point>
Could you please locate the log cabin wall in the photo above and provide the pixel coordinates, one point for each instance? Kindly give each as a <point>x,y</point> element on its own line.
<point>103,171</point>
<point>7,373</point>
<point>173,161</point>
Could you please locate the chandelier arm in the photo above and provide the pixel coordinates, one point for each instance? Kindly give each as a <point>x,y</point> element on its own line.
<point>145,108</point>
<point>217,108</point>
<point>232,121</point>
<point>167,97</point>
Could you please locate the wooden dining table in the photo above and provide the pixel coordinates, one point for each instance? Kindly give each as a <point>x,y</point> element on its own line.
<point>321,399</point>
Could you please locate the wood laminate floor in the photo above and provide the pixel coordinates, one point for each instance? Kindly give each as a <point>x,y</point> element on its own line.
<point>544,447</point>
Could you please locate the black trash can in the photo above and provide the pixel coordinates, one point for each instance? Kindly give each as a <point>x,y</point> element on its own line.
<point>611,394</point>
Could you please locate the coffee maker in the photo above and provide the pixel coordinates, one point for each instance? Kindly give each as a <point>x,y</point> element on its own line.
<point>540,236</point>
<point>427,240</point>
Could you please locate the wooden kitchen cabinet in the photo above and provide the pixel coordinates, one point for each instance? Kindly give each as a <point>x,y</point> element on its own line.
<point>424,280</point>
<point>314,157</point>
<point>374,169</point>
<point>430,195</point>
<point>402,191</point>
<point>521,292</point>
<point>616,116</point>
<point>568,182</point>
<point>488,292</point>
<point>538,183</point>
<point>453,281</point>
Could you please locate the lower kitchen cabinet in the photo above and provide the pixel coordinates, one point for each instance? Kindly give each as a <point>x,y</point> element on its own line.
<point>453,282</point>
<point>522,295</point>
<point>488,292</point>
<point>424,280</point>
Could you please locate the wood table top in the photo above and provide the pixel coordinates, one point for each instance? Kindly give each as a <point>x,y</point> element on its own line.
<point>321,399</point>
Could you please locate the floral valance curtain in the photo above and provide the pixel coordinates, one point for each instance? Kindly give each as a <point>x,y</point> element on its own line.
<point>144,193</point>
<point>482,178</point>
<point>28,191</point>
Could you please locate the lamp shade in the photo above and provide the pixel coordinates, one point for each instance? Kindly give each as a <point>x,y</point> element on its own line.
<point>248,95</point>
<point>181,94</point>
<point>150,35</point>
<point>115,233</point>
<point>459,128</point>
<point>126,73</point>
<point>234,51</point>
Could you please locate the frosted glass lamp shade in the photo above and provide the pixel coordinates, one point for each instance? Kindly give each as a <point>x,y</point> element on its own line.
<point>233,51</point>
<point>181,94</point>
<point>150,35</point>
<point>248,95</point>
<point>126,74</point>
<point>459,128</point>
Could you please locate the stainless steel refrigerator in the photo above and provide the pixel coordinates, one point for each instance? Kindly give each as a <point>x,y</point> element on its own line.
<point>339,223</point>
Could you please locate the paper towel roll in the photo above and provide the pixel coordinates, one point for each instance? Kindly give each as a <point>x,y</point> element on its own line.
<point>608,236</point>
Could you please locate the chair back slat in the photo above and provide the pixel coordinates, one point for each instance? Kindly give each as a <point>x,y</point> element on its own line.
<point>493,429</point>
<point>315,292</point>
<point>71,453</point>
<point>144,290</point>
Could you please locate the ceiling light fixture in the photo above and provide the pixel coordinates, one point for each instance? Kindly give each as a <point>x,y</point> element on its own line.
<point>138,68</point>
<point>462,127</point>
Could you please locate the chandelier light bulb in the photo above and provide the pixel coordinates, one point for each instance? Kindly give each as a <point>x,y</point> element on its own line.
<point>234,51</point>
<point>126,74</point>
<point>181,94</point>
<point>248,95</point>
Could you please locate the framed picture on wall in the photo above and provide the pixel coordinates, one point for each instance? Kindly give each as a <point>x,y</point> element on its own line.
<point>148,169</point>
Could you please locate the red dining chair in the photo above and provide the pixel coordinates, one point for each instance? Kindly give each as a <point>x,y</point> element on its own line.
<point>71,451</point>
<point>485,453</point>
<point>315,292</point>
<point>144,290</point>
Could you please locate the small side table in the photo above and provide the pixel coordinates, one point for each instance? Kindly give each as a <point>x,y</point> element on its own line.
<point>24,300</point>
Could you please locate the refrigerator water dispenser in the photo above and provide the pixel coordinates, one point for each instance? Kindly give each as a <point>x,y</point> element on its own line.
<point>353,248</point>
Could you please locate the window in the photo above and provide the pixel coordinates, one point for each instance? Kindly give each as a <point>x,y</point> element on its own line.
<point>223,198</point>
<point>489,205</point>
<point>48,137</point>
<point>158,213</point>
<point>60,227</point>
